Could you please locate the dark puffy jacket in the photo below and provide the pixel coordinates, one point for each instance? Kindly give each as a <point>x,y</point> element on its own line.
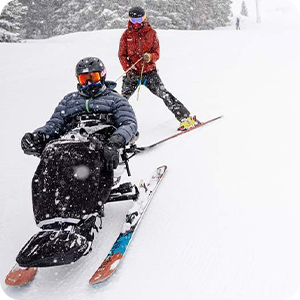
<point>134,43</point>
<point>108,102</point>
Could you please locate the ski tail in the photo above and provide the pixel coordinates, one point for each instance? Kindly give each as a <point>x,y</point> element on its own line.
<point>146,148</point>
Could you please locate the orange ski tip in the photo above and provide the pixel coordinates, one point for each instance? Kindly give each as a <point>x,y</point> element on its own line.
<point>19,276</point>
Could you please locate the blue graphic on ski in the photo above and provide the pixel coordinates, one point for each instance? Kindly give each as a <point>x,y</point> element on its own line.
<point>133,218</point>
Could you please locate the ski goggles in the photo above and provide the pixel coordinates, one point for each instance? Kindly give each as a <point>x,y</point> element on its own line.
<point>139,20</point>
<point>93,77</point>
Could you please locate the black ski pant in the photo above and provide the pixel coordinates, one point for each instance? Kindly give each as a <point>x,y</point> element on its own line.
<point>154,83</point>
<point>70,183</point>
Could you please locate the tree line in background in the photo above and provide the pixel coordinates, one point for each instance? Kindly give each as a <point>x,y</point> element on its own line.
<point>35,19</point>
<point>244,10</point>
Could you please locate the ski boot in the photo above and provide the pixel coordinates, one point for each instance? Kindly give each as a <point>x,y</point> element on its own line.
<point>62,244</point>
<point>188,123</point>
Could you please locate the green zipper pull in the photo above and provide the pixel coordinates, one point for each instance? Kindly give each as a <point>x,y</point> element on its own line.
<point>87,105</point>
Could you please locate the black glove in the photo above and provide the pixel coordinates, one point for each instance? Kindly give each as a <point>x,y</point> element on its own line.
<point>110,151</point>
<point>34,143</point>
<point>132,75</point>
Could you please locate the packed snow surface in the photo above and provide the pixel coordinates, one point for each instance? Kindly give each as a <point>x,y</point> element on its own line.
<point>224,223</point>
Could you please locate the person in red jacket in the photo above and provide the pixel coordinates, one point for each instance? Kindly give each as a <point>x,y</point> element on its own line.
<point>138,51</point>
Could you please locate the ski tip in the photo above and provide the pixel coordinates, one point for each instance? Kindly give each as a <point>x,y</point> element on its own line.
<point>163,167</point>
<point>209,121</point>
<point>217,118</point>
<point>19,276</point>
<point>160,171</point>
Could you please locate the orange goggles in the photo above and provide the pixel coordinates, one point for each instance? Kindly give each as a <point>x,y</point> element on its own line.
<point>93,77</point>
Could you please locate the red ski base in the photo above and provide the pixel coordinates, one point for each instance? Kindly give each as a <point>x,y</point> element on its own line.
<point>19,276</point>
<point>106,269</point>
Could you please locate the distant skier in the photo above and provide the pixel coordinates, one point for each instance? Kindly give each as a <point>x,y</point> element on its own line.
<point>79,149</point>
<point>140,41</point>
<point>237,24</point>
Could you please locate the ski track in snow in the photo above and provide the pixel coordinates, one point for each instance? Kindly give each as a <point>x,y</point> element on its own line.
<point>224,224</point>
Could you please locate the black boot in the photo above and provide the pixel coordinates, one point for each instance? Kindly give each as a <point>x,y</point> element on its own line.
<point>53,248</point>
<point>59,247</point>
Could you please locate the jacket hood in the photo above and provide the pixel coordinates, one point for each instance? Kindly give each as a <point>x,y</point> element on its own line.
<point>110,84</point>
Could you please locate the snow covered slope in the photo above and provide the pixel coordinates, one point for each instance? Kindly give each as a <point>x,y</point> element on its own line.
<point>224,224</point>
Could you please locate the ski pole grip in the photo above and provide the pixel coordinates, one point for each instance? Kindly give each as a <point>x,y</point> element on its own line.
<point>125,158</point>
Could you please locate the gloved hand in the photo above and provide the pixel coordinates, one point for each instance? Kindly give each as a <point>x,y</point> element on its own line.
<point>132,75</point>
<point>33,143</point>
<point>147,57</point>
<point>111,151</point>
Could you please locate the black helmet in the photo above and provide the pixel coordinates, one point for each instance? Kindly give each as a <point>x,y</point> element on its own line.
<point>89,65</point>
<point>136,12</point>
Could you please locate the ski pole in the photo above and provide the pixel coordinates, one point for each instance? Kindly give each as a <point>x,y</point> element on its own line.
<point>125,159</point>
<point>129,68</point>
<point>138,92</point>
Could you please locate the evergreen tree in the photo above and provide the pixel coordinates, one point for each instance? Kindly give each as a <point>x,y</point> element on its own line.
<point>244,10</point>
<point>88,16</point>
<point>208,14</point>
<point>41,17</point>
<point>46,18</point>
<point>222,13</point>
<point>113,15</point>
<point>10,21</point>
<point>160,14</point>
<point>69,17</point>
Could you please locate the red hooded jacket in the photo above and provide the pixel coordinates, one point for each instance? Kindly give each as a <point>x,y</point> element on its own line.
<point>134,43</point>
